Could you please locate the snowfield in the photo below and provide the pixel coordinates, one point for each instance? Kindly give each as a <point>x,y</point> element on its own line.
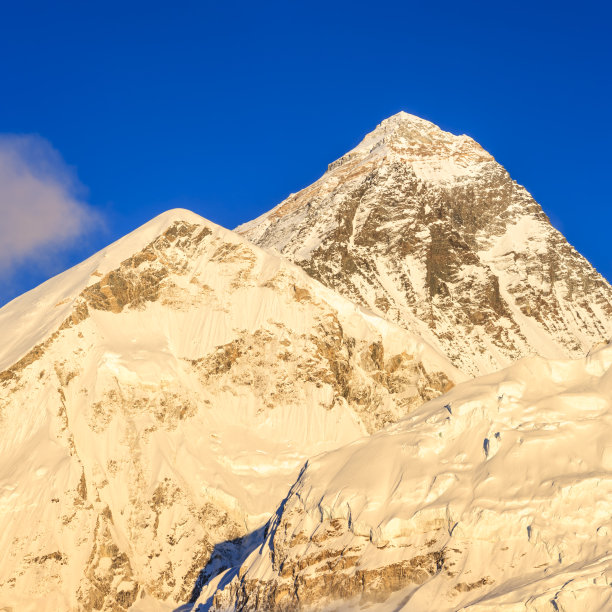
<point>496,496</point>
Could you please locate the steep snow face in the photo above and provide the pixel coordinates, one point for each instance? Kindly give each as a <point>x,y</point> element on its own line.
<point>497,496</point>
<point>160,397</point>
<point>428,230</point>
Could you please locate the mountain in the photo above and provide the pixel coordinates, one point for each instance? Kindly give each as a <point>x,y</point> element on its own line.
<point>428,230</point>
<point>159,398</point>
<point>495,497</point>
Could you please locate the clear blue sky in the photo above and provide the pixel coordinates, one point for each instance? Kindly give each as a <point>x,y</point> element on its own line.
<point>227,107</point>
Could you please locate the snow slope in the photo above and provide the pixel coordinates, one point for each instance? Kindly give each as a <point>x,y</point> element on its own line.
<point>160,397</point>
<point>32,317</point>
<point>429,231</point>
<point>494,497</point>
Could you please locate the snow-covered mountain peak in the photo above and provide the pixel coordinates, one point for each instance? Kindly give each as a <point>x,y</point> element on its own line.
<point>423,149</point>
<point>415,142</point>
<point>428,230</point>
<point>176,214</point>
<point>31,317</point>
<point>399,126</point>
<point>160,398</point>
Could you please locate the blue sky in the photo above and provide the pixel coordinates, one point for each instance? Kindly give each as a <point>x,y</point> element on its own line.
<point>124,110</point>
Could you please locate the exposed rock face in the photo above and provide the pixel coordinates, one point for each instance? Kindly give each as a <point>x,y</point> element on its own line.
<point>426,229</point>
<point>496,496</point>
<point>171,407</point>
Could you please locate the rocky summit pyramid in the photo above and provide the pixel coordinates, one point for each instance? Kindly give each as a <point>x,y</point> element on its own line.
<point>428,230</point>
<point>159,399</point>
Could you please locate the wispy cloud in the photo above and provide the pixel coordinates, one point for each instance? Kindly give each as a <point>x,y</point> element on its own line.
<point>41,201</point>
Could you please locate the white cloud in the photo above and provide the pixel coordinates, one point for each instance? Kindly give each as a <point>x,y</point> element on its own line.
<point>40,203</point>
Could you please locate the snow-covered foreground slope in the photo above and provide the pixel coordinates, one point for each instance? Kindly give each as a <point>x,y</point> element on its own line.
<point>495,497</point>
<point>428,230</point>
<point>160,398</point>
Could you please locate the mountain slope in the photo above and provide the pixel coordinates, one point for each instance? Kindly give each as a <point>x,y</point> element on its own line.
<point>426,229</point>
<point>495,497</point>
<point>160,397</point>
